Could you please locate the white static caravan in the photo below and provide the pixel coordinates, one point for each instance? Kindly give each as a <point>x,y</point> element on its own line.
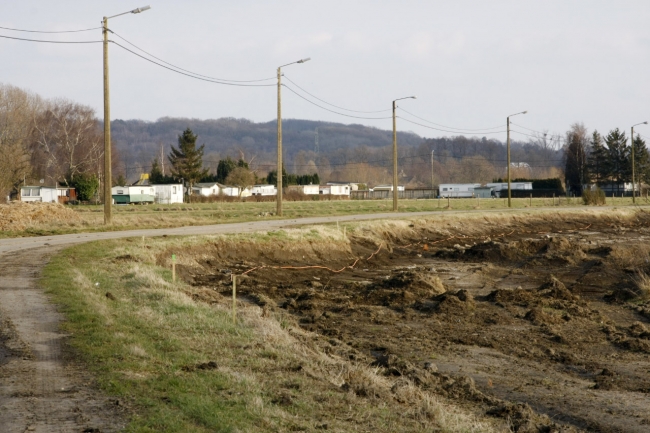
<point>264,190</point>
<point>306,189</point>
<point>353,186</point>
<point>335,190</point>
<point>45,194</point>
<point>400,188</point>
<point>458,190</point>
<point>214,188</point>
<point>340,189</point>
<point>206,188</point>
<point>168,194</point>
<point>503,186</point>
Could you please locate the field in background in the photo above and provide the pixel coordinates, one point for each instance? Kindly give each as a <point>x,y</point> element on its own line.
<point>91,218</point>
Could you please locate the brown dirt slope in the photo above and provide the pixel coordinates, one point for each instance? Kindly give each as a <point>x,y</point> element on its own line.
<point>538,320</point>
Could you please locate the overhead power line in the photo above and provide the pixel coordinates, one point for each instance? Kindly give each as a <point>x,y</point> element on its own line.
<point>450,127</point>
<point>452,132</point>
<point>49,42</point>
<point>43,31</point>
<point>332,111</point>
<point>191,75</point>
<point>185,70</point>
<point>332,105</point>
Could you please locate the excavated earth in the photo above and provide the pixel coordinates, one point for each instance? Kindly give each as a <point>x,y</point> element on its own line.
<point>542,323</point>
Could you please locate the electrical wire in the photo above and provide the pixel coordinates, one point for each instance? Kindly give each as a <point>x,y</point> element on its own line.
<point>528,129</point>
<point>332,111</point>
<point>225,83</point>
<point>50,42</point>
<point>332,105</point>
<point>58,31</point>
<point>452,132</point>
<point>185,70</point>
<point>450,127</point>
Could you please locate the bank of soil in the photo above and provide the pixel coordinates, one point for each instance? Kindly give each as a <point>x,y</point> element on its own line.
<point>538,321</point>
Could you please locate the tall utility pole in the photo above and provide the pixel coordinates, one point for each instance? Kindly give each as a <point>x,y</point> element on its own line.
<point>395,185</point>
<point>108,176</point>
<point>508,146</point>
<point>432,171</point>
<point>632,143</point>
<point>279,174</point>
<point>316,145</point>
<point>108,180</point>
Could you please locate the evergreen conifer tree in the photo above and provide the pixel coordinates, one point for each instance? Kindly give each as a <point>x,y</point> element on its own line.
<point>155,176</point>
<point>575,156</point>
<point>641,162</point>
<point>618,157</point>
<point>597,159</point>
<point>187,159</point>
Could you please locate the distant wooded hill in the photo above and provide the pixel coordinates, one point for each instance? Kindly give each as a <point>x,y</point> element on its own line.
<point>335,151</point>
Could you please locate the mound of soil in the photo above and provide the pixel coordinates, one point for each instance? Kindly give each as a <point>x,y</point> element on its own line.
<point>17,216</point>
<point>519,329</point>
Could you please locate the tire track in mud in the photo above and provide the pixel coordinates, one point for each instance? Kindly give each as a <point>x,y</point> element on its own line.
<point>41,391</point>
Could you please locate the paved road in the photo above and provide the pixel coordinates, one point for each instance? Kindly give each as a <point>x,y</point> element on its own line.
<point>18,244</point>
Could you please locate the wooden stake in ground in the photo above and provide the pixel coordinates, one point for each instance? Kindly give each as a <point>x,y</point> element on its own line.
<point>448,203</point>
<point>234,299</point>
<point>531,200</point>
<point>173,268</point>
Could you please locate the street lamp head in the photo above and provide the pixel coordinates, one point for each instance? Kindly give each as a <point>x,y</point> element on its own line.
<point>304,60</point>
<point>516,114</point>
<point>645,123</point>
<point>142,9</point>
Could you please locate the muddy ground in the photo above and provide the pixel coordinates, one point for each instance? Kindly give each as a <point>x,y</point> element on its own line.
<point>538,321</point>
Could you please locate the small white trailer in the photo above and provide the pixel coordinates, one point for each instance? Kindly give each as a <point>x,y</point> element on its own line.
<point>458,190</point>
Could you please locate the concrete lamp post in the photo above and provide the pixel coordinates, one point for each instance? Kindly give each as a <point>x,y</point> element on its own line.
<point>279,174</point>
<point>632,145</point>
<point>508,145</point>
<point>108,181</point>
<point>395,151</point>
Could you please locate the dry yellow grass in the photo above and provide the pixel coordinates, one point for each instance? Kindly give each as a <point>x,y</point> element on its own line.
<point>18,216</point>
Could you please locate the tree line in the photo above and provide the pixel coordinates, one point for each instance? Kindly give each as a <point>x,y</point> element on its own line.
<point>49,141</point>
<point>604,160</point>
<point>186,163</point>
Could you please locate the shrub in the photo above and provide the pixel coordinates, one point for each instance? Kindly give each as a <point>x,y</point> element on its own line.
<point>593,197</point>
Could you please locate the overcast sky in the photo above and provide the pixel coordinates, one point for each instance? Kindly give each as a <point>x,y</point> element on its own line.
<point>470,63</point>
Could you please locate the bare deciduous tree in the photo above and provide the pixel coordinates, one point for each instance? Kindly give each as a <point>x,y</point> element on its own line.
<point>67,141</point>
<point>17,109</point>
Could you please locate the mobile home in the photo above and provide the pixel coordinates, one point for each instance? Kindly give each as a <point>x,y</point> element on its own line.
<point>264,190</point>
<point>45,194</point>
<point>458,190</point>
<point>168,194</point>
<point>499,187</point>
<point>133,194</point>
<point>306,189</point>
